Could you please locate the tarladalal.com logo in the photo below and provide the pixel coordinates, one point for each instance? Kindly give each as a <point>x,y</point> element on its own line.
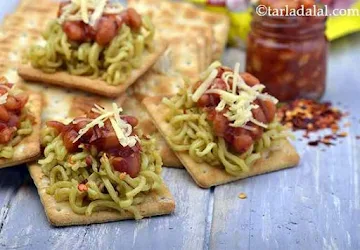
<point>263,10</point>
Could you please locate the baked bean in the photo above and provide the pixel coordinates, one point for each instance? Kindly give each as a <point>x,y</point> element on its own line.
<point>106,31</point>
<point>242,142</point>
<point>134,19</point>
<point>220,124</point>
<point>4,114</point>
<point>6,135</point>
<point>133,121</point>
<point>259,115</point>
<point>129,165</point>
<point>269,109</point>
<point>239,138</point>
<point>75,30</point>
<point>249,79</point>
<point>106,28</point>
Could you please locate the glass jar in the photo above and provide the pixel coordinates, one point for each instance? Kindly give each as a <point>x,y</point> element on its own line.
<point>289,55</point>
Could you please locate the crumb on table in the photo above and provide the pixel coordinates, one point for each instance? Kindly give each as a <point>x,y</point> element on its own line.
<point>242,196</point>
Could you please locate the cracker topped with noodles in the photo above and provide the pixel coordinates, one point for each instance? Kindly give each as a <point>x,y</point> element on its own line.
<point>94,45</point>
<point>99,168</point>
<point>223,127</point>
<point>20,113</point>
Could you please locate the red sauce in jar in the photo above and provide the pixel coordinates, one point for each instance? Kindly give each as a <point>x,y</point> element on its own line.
<point>288,54</point>
<point>239,139</point>
<point>104,31</point>
<point>123,159</point>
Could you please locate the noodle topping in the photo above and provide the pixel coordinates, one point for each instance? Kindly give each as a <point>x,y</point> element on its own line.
<point>224,120</point>
<point>109,133</point>
<point>96,39</point>
<point>97,162</point>
<point>235,105</point>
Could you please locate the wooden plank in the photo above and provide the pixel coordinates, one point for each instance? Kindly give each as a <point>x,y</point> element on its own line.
<point>26,225</point>
<point>313,206</point>
<point>183,230</point>
<point>10,181</point>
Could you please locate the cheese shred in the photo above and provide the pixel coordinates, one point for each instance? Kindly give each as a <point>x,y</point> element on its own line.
<point>88,11</point>
<point>122,129</point>
<point>238,98</point>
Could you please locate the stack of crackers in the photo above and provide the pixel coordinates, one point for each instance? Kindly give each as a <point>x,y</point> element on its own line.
<point>195,38</point>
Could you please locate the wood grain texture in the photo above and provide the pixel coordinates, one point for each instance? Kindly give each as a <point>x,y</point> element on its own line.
<point>26,225</point>
<point>313,206</point>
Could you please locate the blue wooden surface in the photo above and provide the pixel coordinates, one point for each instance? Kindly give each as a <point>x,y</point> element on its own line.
<point>313,206</point>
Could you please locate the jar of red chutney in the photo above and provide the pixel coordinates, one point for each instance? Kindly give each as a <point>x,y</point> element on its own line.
<point>289,53</point>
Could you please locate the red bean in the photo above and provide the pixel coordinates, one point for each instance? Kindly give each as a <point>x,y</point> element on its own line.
<point>242,143</point>
<point>249,79</point>
<point>218,83</point>
<point>2,90</point>
<point>269,109</point>
<point>204,100</point>
<point>14,121</point>
<point>257,132</point>
<point>12,104</point>
<point>6,135</point>
<point>125,17</point>
<point>129,165</point>
<point>259,115</point>
<point>59,126</point>
<point>75,30</point>
<point>22,99</point>
<point>134,19</point>
<point>119,21</point>
<point>133,121</point>
<point>4,114</point>
<point>104,140</point>
<point>220,124</point>
<point>106,31</point>
<point>68,139</point>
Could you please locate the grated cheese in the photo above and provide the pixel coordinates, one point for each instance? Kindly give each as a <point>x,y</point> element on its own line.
<point>240,105</point>
<point>207,72</point>
<point>204,85</point>
<point>84,11</point>
<point>88,11</point>
<point>122,129</point>
<point>99,9</point>
<point>3,98</point>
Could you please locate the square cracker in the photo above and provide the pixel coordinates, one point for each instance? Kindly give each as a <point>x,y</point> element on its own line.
<point>133,107</point>
<point>186,13</point>
<point>184,55</point>
<point>206,175</point>
<point>199,33</point>
<point>60,213</point>
<point>73,103</point>
<point>95,86</point>
<point>153,83</point>
<point>29,147</point>
<point>29,21</point>
<point>41,6</point>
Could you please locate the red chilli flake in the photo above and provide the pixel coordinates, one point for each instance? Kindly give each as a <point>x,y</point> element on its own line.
<point>312,116</point>
<point>82,187</point>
